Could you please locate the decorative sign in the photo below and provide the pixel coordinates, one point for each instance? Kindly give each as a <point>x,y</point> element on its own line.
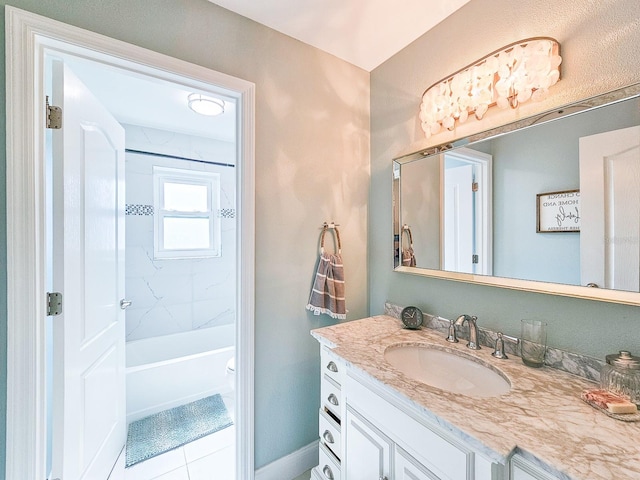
<point>558,212</point>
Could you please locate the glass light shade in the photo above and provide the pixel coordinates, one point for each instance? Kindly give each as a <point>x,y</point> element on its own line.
<point>515,74</point>
<point>205,105</point>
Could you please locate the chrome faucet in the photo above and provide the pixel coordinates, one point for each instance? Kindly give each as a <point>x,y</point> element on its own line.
<point>473,329</point>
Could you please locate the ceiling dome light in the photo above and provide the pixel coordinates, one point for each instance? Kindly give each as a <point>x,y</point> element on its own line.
<point>205,105</point>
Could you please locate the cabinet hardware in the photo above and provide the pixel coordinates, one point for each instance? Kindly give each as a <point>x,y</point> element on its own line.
<point>333,399</point>
<point>327,472</point>
<point>332,367</point>
<point>327,436</point>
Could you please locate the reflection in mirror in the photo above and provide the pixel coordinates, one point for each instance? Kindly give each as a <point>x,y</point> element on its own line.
<point>473,209</point>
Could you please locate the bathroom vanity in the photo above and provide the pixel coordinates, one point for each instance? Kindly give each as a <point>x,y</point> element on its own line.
<point>377,422</point>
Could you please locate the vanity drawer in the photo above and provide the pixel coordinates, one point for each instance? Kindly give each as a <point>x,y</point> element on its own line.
<point>330,434</point>
<point>331,395</point>
<point>330,366</point>
<point>328,467</point>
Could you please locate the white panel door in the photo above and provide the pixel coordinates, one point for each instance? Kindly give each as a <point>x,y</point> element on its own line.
<point>459,213</point>
<point>610,217</point>
<point>89,429</point>
<point>408,468</point>
<point>367,450</point>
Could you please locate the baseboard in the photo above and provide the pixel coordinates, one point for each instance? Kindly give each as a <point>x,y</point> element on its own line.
<point>290,466</point>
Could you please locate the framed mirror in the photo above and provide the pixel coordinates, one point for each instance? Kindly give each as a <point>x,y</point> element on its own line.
<point>547,204</point>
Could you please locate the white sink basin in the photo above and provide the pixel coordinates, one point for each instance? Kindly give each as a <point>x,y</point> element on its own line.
<point>447,371</point>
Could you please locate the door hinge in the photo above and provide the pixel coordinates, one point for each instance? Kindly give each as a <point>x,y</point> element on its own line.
<point>54,304</point>
<point>474,187</point>
<point>54,116</point>
<point>474,259</point>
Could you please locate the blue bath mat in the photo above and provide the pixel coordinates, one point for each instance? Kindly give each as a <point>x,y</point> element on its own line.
<point>169,429</point>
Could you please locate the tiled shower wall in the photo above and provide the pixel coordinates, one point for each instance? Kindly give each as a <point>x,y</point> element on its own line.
<point>175,295</point>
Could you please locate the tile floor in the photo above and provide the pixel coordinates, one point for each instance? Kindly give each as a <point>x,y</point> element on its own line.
<point>209,458</point>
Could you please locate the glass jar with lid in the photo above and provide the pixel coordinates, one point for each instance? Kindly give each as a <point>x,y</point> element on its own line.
<point>621,375</point>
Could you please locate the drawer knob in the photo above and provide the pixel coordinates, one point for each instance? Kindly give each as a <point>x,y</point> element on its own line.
<point>327,472</point>
<point>332,367</point>
<point>333,399</point>
<point>327,436</point>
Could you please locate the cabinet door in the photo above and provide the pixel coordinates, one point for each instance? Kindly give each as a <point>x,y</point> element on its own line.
<point>523,469</point>
<point>367,450</point>
<point>408,468</point>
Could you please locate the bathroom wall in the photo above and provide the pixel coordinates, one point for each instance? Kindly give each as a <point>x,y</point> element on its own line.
<point>176,295</point>
<point>599,47</point>
<point>312,165</point>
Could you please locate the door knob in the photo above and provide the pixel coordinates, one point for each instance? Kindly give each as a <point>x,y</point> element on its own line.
<point>124,304</point>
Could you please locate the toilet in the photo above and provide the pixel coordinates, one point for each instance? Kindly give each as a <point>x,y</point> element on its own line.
<point>231,372</point>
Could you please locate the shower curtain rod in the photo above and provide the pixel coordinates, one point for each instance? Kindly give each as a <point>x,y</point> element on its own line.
<point>174,157</point>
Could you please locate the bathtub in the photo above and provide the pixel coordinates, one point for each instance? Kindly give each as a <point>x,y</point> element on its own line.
<point>164,372</point>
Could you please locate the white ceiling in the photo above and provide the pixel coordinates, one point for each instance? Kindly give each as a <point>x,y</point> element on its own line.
<point>143,100</point>
<point>363,32</point>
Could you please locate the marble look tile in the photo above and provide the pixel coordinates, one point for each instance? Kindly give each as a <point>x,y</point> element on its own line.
<point>141,293</point>
<point>541,415</point>
<point>211,313</point>
<point>164,291</point>
<point>216,284</point>
<point>139,180</point>
<point>156,466</point>
<point>220,464</point>
<point>173,143</point>
<point>139,231</point>
<point>210,444</point>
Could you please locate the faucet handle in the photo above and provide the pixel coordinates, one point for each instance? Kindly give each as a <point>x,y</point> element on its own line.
<point>498,351</point>
<point>452,338</point>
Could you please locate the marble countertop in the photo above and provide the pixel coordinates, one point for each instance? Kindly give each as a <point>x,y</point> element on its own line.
<point>542,416</point>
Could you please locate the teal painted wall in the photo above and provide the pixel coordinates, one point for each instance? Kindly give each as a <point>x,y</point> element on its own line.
<point>312,165</point>
<point>600,53</point>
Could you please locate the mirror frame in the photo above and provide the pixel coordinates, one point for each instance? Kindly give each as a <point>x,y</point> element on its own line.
<point>566,290</point>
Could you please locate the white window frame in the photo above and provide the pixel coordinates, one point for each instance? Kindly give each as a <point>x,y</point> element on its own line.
<point>211,181</point>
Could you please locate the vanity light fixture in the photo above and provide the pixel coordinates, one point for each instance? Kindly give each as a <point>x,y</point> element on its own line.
<point>205,105</point>
<point>514,74</point>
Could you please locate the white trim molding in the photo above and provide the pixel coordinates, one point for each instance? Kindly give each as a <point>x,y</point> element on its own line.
<point>292,465</point>
<point>28,38</point>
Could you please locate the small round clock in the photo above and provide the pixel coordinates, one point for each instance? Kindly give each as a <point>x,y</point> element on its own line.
<point>411,317</point>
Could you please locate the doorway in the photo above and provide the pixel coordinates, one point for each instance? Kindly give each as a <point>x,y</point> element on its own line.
<point>26,204</point>
<point>467,243</point>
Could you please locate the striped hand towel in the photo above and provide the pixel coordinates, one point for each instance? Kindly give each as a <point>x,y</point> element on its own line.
<point>327,293</point>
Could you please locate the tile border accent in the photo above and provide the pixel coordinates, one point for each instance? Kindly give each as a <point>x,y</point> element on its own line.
<point>580,365</point>
<point>134,209</point>
<point>227,213</point>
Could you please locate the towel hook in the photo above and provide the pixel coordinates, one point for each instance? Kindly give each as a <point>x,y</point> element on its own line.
<point>405,228</point>
<point>330,226</point>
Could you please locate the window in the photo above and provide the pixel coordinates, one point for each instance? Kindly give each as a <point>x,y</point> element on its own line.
<point>186,224</point>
